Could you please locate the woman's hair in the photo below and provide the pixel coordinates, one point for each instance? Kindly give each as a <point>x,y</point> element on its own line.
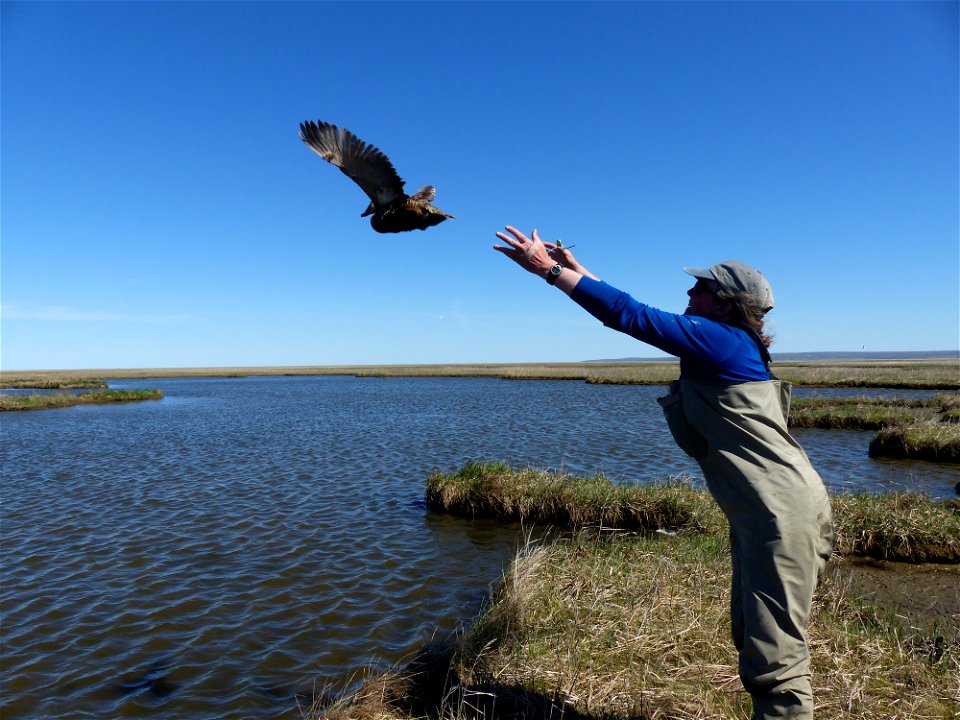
<point>746,309</point>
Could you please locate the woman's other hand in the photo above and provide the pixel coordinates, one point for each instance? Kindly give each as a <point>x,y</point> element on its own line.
<point>564,256</point>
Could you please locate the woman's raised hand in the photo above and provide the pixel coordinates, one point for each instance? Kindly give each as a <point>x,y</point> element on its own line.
<point>529,253</point>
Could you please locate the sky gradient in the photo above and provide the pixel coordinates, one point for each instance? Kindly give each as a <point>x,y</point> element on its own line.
<point>159,210</point>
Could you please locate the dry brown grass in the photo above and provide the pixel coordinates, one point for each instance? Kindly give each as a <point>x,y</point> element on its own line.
<point>937,374</point>
<point>639,628</point>
<point>601,625</point>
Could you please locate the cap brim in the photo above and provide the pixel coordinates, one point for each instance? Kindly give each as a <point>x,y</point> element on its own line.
<point>700,273</point>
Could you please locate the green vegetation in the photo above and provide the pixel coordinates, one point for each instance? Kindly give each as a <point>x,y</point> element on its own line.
<point>919,429</point>
<point>904,527</point>
<point>494,490</point>
<point>863,413</point>
<point>924,440</point>
<point>604,625</point>
<point>853,413</point>
<point>894,526</point>
<point>57,400</point>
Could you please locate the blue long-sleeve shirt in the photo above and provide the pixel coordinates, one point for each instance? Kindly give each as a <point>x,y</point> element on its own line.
<point>708,350</point>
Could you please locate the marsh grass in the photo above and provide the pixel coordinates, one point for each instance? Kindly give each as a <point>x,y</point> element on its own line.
<point>858,413</point>
<point>57,400</point>
<point>905,527</point>
<point>51,384</point>
<point>494,490</point>
<point>914,428</point>
<point>933,375</point>
<point>928,373</point>
<point>922,440</point>
<point>865,413</point>
<point>638,628</point>
<point>601,625</point>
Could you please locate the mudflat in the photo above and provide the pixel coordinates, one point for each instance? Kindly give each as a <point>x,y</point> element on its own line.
<point>926,595</point>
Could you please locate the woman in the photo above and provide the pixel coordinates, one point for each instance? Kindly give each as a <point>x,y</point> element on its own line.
<point>729,413</point>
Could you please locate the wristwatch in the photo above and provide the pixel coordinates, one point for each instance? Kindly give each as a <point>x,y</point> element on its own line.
<point>554,274</point>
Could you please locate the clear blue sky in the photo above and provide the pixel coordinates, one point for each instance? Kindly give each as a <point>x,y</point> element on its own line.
<point>159,210</point>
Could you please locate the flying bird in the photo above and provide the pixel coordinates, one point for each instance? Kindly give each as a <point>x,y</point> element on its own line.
<point>392,209</point>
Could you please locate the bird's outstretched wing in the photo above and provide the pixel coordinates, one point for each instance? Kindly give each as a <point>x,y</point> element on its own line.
<point>361,162</point>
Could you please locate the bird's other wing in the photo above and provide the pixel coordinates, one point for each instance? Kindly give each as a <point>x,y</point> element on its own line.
<point>361,162</point>
<point>425,194</point>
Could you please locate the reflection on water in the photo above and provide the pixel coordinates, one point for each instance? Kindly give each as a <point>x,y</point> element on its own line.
<point>245,542</point>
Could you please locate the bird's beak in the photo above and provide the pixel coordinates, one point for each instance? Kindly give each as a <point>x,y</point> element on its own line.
<point>368,211</point>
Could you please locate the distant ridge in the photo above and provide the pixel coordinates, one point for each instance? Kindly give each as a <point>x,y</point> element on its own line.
<point>832,355</point>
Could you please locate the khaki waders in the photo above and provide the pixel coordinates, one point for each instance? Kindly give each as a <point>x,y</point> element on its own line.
<point>781,528</point>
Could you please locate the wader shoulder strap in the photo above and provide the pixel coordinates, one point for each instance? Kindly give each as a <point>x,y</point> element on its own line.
<point>764,352</point>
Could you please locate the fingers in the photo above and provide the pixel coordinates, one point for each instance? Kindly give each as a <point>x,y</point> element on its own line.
<point>519,243</point>
<point>518,239</point>
<point>519,235</point>
<point>519,247</point>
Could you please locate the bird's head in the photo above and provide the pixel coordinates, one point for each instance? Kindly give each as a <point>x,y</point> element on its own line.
<point>369,211</point>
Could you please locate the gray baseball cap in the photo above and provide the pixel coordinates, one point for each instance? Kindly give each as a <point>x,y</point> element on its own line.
<point>734,276</point>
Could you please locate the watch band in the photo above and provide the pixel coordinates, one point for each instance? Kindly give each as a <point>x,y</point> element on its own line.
<point>554,273</point>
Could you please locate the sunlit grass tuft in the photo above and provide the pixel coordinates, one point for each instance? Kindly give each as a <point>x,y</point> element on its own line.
<point>923,440</point>
<point>906,527</point>
<point>57,400</point>
<point>495,490</point>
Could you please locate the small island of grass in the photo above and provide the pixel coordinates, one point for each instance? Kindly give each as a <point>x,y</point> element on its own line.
<point>915,429</point>
<point>57,400</point>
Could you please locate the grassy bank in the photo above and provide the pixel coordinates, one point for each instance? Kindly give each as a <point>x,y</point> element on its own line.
<point>925,440</point>
<point>863,413</point>
<point>928,373</point>
<point>635,625</point>
<point>58,400</point>
<point>51,384</point>
<point>918,429</point>
<point>894,526</point>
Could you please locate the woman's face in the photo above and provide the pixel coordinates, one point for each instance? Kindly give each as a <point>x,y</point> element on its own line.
<point>704,303</point>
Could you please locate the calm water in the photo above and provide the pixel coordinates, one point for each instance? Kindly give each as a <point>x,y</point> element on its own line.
<point>243,543</point>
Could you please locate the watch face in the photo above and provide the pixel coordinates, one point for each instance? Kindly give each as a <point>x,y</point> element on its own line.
<point>556,270</point>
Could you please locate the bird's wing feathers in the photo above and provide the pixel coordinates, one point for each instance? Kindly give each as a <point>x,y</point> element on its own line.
<point>425,194</point>
<point>361,162</point>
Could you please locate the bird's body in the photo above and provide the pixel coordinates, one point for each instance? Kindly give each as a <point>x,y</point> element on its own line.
<point>392,209</point>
